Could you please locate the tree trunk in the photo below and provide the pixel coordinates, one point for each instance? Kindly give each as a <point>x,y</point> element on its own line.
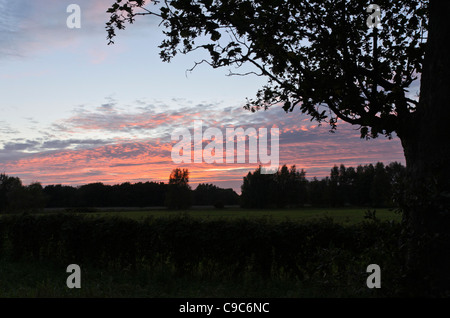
<point>426,143</point>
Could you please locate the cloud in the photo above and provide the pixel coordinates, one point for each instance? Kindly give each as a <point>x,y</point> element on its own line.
<point>144,120</point>
<point>134,144</point>
<point>5,128</point>
<point>151,120</point>
<point>15,146</point>
<point>39,146</point>
<point>62,144</point>
<point>109,163</point>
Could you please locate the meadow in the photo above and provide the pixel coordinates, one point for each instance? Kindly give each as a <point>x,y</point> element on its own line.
<point>344,216</point>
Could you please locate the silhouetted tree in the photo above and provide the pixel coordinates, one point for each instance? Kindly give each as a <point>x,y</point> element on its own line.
<point>205,194</point>
<point>257,190</point>
<point>34,197</point>
<point>282,186</point>
<point>178,194</point>
<point>321,57</point>
<point>59,196</point>
<point>381,187</point>
<point>15,197</point>
<point>317,192</point>
<point>366,185</point>
<point>92,195</point>
<point>397,178</point>
<point>348,182</point>
<point>298,193</point>
<point>334,196</point>
<point>140,194</point>
<point>287,187</point>
<point>209,194</point>
<point>363,183</point>
<point>11,194</point>
<point>290,187</point>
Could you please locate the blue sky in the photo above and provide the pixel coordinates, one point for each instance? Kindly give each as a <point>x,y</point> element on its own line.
<point>76,110</point>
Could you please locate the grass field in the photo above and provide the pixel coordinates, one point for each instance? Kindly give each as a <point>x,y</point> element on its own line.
<point>345,216</point>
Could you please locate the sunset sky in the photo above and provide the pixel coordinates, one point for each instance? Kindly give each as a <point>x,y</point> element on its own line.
<point>75,110</point>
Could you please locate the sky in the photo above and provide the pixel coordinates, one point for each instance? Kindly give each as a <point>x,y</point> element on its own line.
<point>74,110</point>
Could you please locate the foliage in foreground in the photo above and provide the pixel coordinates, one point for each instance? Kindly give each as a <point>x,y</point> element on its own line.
<point>321,253</point>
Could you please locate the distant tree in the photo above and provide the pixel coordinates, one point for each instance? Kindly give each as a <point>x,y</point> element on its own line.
<point>317,192</point>
<point>209,194</point>
<point>348,183</point>
<point>366,185</point>
<point>59,196</point>
<point>123,194</point>
<point>257,190</point>
<point>100,195</point>
<point>35,198</point>
<point>282,187</point>
<point>345,184</point>
<point>93,195</point>
<point>205,194</point>
<point>299,193</point>
<point>12,194</point>
<point>290,187</point>
<point>397,177</point>
<point>380,190</point>
<point>5,186</point>
<point>363,183</point>
<point>334,195</point>
<point>156,193</point>
<point>178,194</point>
<point>286,187</point>
<point>15,197</point>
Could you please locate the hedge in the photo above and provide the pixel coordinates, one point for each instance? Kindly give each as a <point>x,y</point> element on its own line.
<point>185,244</point>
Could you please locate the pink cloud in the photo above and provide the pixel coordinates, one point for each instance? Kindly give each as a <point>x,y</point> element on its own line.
<point>306,145</point>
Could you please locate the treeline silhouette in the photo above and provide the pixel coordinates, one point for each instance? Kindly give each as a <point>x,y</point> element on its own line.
<point>148,194</point>
<point>102,195</point>
<point>368,185</point>
<point>14,196</point>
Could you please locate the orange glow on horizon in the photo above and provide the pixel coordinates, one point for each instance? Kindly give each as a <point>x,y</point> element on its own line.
<point>150,160</point>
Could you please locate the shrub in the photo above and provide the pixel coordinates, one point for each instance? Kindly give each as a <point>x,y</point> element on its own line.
<point>315,251</point>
